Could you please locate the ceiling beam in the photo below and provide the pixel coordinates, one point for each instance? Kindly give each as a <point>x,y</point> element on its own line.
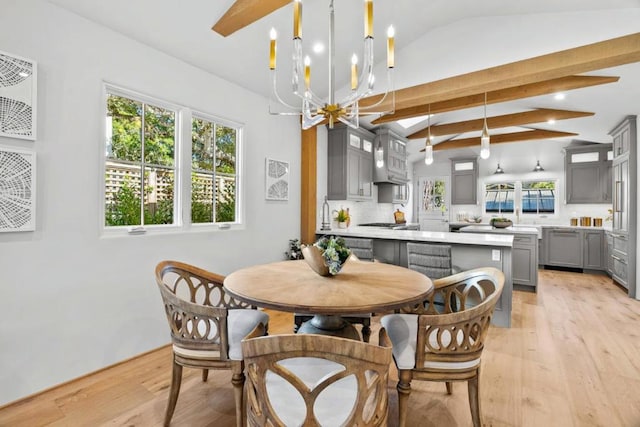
<point>501,139</point>
<point>245,12</point>
<point>503,95</point>
<point>516,119</point>
<point>591,57</point>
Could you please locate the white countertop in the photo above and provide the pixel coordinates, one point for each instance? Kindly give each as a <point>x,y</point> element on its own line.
<point>509,230</point>
<point>505,240</point>
<point>606,227</point>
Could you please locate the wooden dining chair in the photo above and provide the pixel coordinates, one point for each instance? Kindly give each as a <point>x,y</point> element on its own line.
<point>207,327</point>
<point>315,380</point>
<point>445,346</point>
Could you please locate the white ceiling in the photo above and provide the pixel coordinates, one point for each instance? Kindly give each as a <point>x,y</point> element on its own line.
<point>183,29</point>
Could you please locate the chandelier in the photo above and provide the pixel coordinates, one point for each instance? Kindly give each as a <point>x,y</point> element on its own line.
<point>314,109</point>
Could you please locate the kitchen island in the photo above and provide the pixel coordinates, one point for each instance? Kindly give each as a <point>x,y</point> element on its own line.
<point>468,250</point>
<point>524,252</point>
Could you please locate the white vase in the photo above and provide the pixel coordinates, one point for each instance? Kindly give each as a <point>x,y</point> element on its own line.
<point>342,224</point>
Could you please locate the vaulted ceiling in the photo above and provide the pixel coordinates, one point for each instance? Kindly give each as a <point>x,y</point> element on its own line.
<point>435,41</point>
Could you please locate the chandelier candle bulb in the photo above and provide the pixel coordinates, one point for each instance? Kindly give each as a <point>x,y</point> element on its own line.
<point>354,72</point>
<point>390,47</point>
<point>368,18</point>
<point>297,19</point>
<point>307,72</point>
<point>272,49</point>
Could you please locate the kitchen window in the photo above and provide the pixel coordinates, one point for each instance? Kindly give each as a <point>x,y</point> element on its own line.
<point>527,197</point>
<point>499,198</point>
<point>143,173</point>
<point>538,197</point>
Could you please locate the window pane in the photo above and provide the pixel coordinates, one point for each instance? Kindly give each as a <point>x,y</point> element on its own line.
<point>585,157</point>
<point>499,198</point>
<point>159,135</point>
<point>158,196</point>
<point>122,194</point>
<point>201,197</point>
<point>225,198</point>
<point>202,145</point>
<point>124,129</point>
<point>538,197</point>
<point>225,150</point>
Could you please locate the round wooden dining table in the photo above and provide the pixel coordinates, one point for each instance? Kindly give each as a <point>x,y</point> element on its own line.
<point>360,287</point>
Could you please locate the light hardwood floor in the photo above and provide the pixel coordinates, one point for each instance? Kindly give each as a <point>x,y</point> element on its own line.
<point>571,358</point>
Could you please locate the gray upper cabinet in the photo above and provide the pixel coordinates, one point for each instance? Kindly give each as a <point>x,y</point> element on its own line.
<point>394,169</point>
<point>350,164</point>
<point>464,181</point>
<point>588,173</point>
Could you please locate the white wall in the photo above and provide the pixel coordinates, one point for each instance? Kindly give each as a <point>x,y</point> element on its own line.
<point>72,301</point>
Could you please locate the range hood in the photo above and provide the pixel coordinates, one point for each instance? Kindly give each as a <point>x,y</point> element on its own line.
<point>394,169</point>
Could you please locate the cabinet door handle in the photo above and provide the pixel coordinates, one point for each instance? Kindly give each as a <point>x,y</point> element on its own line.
<point>618,195</point>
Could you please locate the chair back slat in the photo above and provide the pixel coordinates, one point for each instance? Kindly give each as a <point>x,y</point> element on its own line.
<point>313,380</point>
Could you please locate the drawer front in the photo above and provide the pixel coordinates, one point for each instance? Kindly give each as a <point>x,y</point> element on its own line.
<point>620,270</point>
<point>525,239</point>
<point>620,244</point>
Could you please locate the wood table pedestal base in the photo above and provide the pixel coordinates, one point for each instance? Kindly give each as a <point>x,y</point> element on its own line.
<point>329,325</point>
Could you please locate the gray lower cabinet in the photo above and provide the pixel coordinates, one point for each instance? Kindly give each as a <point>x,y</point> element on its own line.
<point>608,252</point>
<point>593,257</point>
<point>620,258</point>
<point>525,260</point>
<point>563,247</point>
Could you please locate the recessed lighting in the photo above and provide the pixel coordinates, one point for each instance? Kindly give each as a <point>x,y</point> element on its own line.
<point>551,121</point>
<point>318,47</point>
<point>559,96</point>
<point>23,74</point>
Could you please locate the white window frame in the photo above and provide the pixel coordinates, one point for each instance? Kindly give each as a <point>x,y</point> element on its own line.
<point>239,149</point>
<point>182,169</point>
<point>517,198</point>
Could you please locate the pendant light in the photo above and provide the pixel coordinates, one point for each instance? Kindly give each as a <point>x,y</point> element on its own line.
<point>538,168</point>
<point>484,138</point>
<point>428,149</point>
<point>379,155</point>
<point>498,170</point>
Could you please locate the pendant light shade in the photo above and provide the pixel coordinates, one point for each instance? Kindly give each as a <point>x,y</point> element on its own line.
<point>428,153</point>
<point>428,149</point>
<point>379,156</point>
<point>484,138</point>
<point>498,170</point>
<point>538,168</point>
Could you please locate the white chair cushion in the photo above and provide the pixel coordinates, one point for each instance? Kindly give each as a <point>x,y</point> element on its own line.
<point>239,323</point>
<point>332,406</point>
<point>403,333</point>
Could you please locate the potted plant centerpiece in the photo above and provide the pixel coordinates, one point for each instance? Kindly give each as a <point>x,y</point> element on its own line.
<point>343,218</point>
<point>501,222</point>
<point>327,256</point>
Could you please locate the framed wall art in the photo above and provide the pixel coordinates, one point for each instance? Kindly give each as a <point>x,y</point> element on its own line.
<point>17,190</point>
<point>18,80</point>
<point>277,179</point>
